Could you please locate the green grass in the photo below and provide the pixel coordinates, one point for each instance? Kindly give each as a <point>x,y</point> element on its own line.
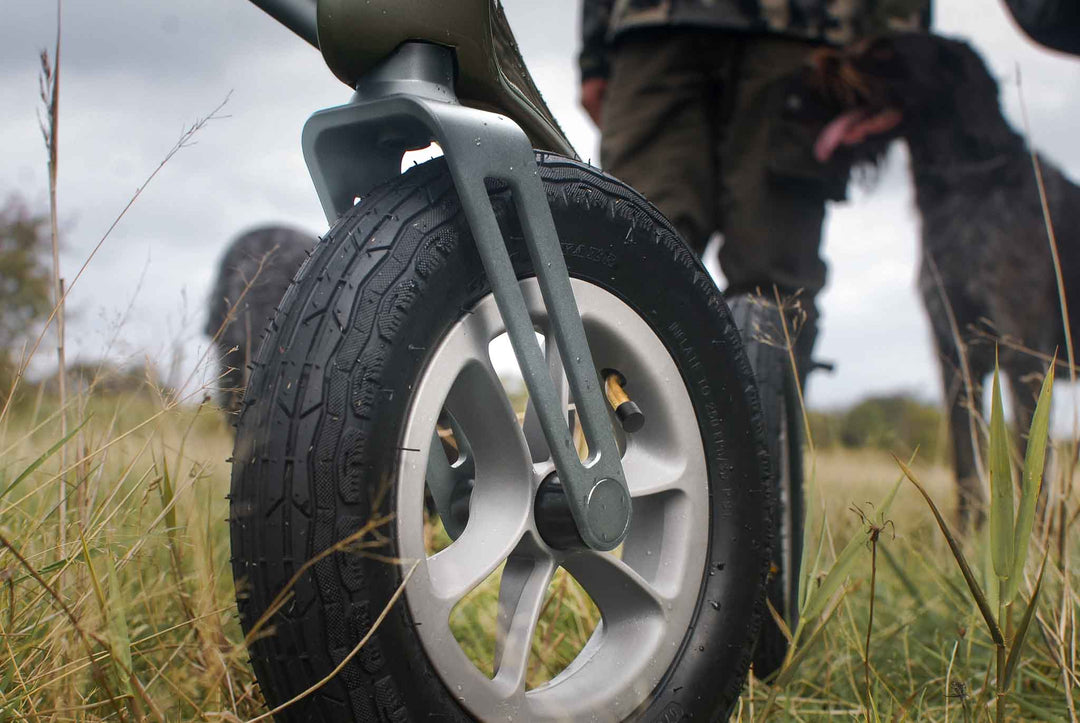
<point>930,653</point>
<point>135,619</point>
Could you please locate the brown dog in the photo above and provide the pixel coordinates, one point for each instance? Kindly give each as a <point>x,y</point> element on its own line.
<point>986,271</point>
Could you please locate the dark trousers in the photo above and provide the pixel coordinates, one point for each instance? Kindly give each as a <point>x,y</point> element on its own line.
<point>699,122</point>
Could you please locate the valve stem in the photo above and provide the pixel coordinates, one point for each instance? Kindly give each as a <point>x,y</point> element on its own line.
<point>626,409</point>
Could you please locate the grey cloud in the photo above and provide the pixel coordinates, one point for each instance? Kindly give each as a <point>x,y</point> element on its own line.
<point>136,72</point>
<point>172,42</point>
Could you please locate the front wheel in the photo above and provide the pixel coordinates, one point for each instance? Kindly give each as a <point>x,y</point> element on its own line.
<point>376,391</point>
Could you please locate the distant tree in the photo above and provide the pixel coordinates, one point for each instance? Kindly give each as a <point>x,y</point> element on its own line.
<point>825,427</point>
<point>896,422</point>
<point>25,290</point>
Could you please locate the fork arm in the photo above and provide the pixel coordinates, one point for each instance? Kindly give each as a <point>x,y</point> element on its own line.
<point>407,102</point>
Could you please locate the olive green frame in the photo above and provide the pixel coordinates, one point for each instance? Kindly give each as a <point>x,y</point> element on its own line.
<point>491,75</point>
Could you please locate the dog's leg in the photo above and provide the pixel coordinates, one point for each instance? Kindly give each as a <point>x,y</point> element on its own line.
<point>971,502</point>
<point>1025,381</point>
<point>963,368</point>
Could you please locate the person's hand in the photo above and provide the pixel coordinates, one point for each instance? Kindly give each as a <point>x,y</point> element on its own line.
<point>592,97</point>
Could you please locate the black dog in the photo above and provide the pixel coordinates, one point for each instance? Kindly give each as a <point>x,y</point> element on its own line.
<point>254,274</point>
<point>987,272</point>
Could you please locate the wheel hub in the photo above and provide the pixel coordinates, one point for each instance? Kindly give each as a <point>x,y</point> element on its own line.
<point>518,535</point>
<point>555,520</point>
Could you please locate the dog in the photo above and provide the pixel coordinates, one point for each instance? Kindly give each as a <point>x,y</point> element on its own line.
<point>986,273</point>
<point>253,275</point>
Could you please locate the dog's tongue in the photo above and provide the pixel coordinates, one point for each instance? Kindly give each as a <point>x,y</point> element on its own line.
<point>834,134</point>
<point>851,128</point>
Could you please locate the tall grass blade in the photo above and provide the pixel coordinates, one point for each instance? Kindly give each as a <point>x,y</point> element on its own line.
<point>51,567</point>
<point>106,614</point>
<point>1021,631</point>
<point>810,498</point>
<point>909,585</point>
<point>168,498</point>
<point>1001,487</point>
<point>787,672</point>
<point>809,572</point>
<point>819,598</point>
<point>1037,712</point>
<point>887,503</point>
<point>965,568</point>
<point>7,678</point>
<point>119,636</point>
<point>42,459</point>
<point>993,588</point>
<point>779,620</point>
<point>874,715</point>
<point>1034,461</point>
<point>95,582</point>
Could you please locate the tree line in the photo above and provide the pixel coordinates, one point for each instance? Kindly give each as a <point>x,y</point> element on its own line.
<point>896,423</point>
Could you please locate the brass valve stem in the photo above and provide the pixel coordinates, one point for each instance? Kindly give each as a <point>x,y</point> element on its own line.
<point>626,409</point>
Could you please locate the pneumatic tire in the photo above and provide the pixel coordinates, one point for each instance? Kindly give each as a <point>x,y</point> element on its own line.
<point>763,338</point>
<point>382,336</point>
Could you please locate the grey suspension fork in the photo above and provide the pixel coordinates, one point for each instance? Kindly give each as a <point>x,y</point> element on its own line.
<point>596,490</point>
<point>406,102</point>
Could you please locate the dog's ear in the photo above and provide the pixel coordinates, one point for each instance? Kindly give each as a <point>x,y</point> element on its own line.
<point>975,96</point>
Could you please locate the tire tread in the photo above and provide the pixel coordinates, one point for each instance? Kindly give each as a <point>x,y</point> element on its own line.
<point>314,400</point>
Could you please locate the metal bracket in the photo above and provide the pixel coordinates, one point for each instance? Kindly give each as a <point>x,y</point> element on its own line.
<point>407,102</point>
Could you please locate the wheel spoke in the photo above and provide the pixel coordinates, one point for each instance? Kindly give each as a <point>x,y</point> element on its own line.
<point>467,348</point>
<point>534,433</point>
<point>442,480</point>
<point>499,503</point>
<point>521,597</point>
<point>650,474</point>
<point>616,588</point>
<point>471,558</point>
<point>484,416</point>
<point>466,463</point>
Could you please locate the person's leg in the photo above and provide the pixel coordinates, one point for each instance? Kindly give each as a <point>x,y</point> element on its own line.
<point>657,127</point>
<point>772,199</point>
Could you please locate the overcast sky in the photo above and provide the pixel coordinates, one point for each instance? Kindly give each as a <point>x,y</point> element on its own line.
<point>136,73</point>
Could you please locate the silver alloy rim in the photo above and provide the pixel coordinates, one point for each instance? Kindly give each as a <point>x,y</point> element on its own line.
<point>646,599</point>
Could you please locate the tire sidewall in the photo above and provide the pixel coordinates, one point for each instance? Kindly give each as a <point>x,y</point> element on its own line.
<point>614,239</point>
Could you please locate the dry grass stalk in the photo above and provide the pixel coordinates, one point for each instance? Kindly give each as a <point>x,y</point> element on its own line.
<point>50,129</point>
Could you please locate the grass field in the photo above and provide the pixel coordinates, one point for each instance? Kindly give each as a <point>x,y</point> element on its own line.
<point>126,611</point>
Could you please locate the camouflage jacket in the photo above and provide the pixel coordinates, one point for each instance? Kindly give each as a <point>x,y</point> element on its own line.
<point>835,22</point>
